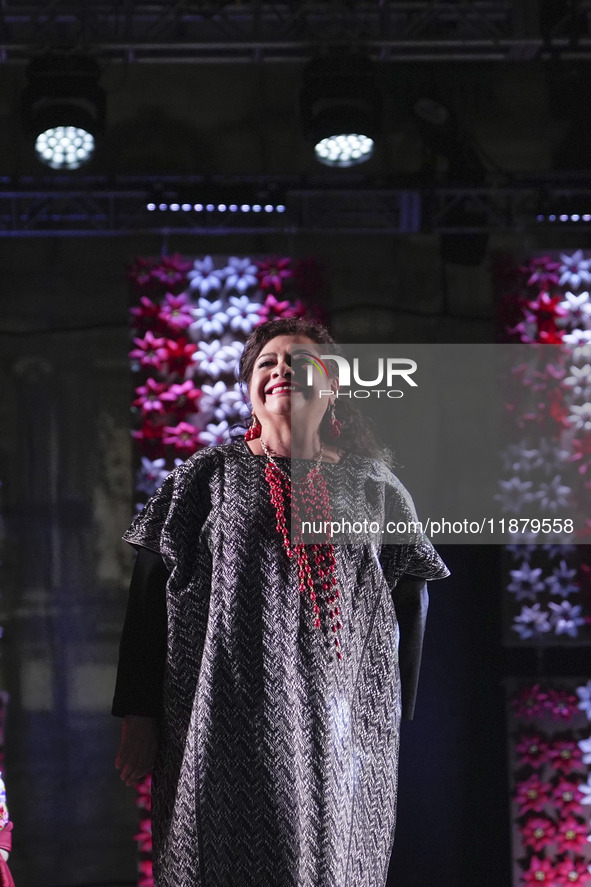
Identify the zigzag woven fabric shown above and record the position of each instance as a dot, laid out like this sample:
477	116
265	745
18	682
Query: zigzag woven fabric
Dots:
278	762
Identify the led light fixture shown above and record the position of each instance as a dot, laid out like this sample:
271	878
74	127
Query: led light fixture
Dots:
564	209
341	109
217	202
64	109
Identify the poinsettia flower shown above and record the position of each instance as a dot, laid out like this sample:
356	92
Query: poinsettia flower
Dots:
149	439
212	359
581	453
210	318
584	694
149	398
540	871
243	314
560	582
538	832
146	313
531	622
212	397
580	417
585	789
560	704
585	746
272	274
532	749
577	308
566	756
529	702
578	339
184	437
532	794
146	873
574	270
144	836
150	352
180	355
572	871
542	270
546	308
550	336
515	493
172	270
150	476
141	273
181	398
176	311
580	380
526	582
205	277
240	274
213	435
522	552
567	797
520	458
232	403
566	618
272	308
552	495
144	793
554	551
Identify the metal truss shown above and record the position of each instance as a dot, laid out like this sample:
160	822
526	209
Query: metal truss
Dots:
213	31
103	208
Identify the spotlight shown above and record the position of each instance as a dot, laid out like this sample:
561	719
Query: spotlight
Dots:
341	109
64	109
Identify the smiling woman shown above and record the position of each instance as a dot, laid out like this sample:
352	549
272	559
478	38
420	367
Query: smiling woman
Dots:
263	678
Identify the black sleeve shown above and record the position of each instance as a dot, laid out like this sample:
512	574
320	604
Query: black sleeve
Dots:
142	651
411	601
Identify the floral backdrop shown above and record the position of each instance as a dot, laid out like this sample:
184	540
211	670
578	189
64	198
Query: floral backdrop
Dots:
546	301
190	319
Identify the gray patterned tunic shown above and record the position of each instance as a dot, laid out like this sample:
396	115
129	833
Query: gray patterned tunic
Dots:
278	763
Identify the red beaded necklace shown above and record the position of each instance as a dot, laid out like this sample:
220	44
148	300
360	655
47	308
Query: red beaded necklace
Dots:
308	500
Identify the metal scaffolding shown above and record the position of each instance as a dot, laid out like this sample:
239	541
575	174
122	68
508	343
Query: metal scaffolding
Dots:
101	207
212	31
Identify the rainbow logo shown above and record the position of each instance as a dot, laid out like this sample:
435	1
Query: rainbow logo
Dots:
312	361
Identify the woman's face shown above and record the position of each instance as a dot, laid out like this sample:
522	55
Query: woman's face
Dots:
279	383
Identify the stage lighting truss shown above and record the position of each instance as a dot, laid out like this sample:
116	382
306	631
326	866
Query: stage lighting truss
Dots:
564	208
231	203
64	109
341	109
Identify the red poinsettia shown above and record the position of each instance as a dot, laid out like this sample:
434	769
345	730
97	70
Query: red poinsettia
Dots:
273	273
532	795
144	793
532	749
179	355
172	271
542	272
540	871
529	701
562	705
567	797
140	274
149	440
176	312
566	756
144	836
573	871
538	832
146	873
571	834
145	315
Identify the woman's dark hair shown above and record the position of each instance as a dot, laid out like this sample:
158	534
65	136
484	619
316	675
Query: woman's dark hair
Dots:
356	435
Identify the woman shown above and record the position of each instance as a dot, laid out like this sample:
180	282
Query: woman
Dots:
273	703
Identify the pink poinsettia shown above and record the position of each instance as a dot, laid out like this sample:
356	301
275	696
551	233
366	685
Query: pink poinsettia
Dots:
529	701
273	273
144	836
144	793
571	834
146	873
149	397
532	749
567	797
542	271
566	756
172	270
184	437
562	705
540	871
176	312
573	871
532	795
150	351
182	398
538	832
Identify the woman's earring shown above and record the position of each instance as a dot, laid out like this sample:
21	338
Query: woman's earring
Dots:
334	426
254	429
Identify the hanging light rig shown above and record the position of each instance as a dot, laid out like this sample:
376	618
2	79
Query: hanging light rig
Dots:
64	109
341	109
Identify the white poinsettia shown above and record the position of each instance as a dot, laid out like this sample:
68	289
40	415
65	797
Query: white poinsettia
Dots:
585	789
522	552
214	435
574	270
566	618
580	417
552	495
531	622
232	405
578	306
515	493
584	694
243	315
579	380
212	359
150	475
585	746
577	338
520	458
232	354
211	398
526	582
205	277
560	582
210	319
240	274
554	551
